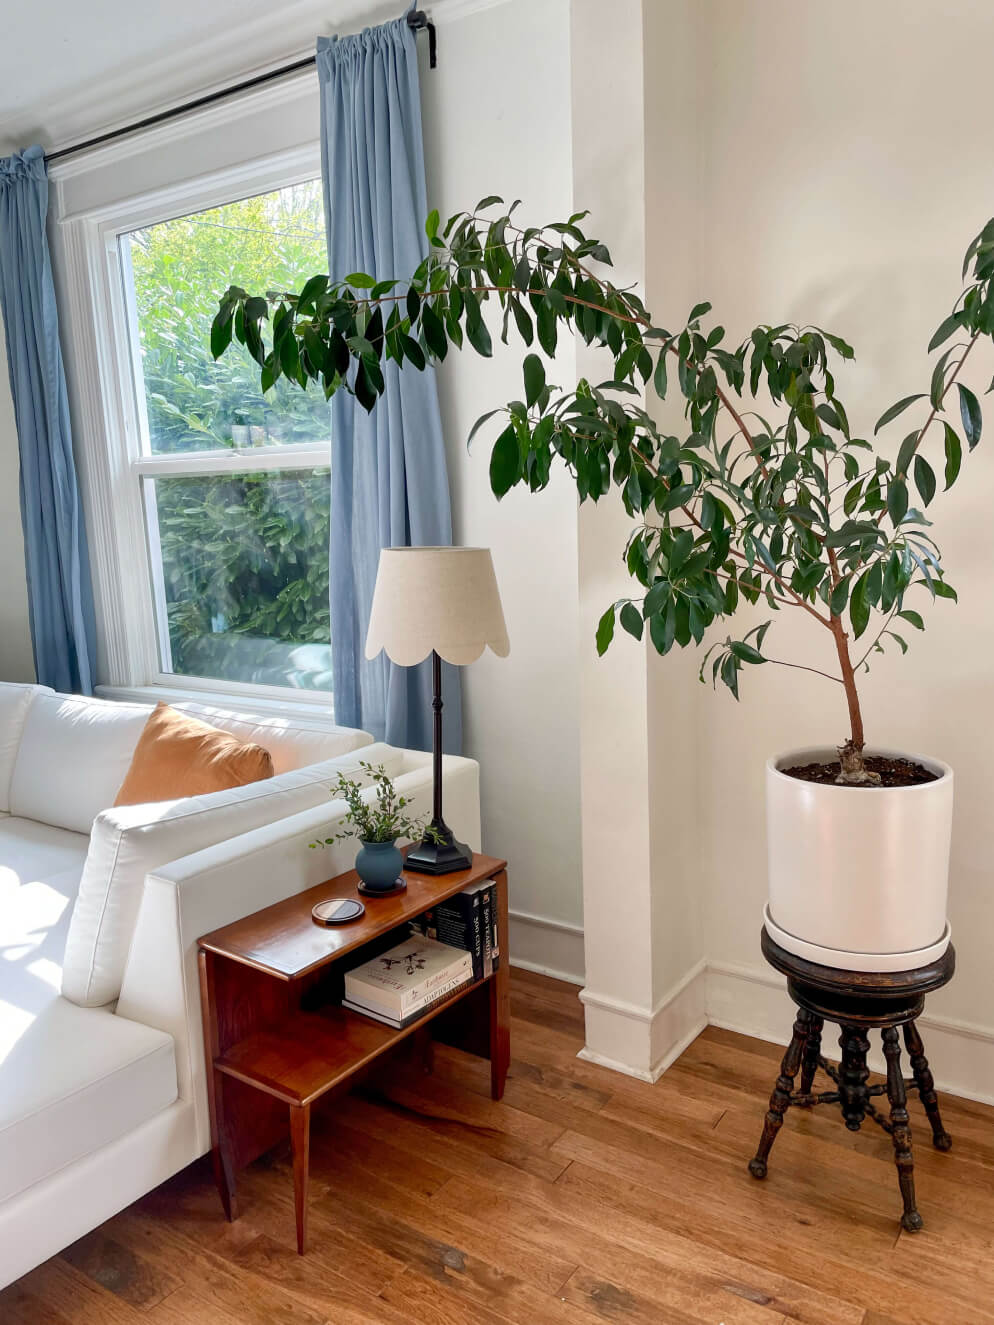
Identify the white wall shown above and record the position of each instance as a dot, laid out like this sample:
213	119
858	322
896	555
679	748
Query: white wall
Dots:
844	165
521	713
16	663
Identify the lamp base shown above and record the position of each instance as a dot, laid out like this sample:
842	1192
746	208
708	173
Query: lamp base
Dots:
443	857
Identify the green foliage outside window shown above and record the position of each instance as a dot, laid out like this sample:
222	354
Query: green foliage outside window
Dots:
247	553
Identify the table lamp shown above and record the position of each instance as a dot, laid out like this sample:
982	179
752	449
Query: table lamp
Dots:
443	601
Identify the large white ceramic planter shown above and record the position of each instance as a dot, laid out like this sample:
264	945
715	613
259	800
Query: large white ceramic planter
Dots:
858	877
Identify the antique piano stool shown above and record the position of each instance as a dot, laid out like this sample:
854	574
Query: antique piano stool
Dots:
858	1002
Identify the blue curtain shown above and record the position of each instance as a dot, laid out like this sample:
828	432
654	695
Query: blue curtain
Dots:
389	486
60	598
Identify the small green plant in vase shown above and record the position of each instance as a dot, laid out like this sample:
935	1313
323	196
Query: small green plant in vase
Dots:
378	823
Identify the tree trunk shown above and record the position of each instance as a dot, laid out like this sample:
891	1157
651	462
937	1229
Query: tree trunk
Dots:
853	770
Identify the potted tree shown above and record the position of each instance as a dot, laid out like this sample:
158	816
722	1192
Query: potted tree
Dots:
788	506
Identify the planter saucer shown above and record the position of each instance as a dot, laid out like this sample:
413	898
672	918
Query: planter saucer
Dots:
875	962
399	886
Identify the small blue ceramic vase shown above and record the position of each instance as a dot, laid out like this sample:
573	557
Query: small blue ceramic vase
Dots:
379	864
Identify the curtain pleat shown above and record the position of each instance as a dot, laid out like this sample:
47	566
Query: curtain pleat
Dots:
389	484
60	598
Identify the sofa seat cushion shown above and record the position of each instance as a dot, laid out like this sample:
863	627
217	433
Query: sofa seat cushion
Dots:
74	1080
73	756
40	869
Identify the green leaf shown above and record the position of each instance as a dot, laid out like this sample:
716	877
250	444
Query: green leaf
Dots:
859	610
945	330
943	590
434	331
698	310
605	631
534	373
746	653
913	618
505	462
491	200
924	479
897	409
479	336
969	408
631	620
659	376
839	597
220	334
907	451
431	225
954	456
360	281
484	418
897	500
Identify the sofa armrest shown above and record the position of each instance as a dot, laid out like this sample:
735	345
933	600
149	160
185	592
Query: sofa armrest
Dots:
223	883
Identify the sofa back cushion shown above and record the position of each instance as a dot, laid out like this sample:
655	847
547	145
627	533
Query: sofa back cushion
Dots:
72	757
292	741
179	755
15	700
129	841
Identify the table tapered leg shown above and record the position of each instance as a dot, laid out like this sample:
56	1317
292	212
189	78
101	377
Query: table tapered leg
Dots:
812	1052
901	1129
300	1140
925	1083
780	1099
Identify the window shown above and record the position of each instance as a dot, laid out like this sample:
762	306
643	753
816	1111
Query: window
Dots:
233	486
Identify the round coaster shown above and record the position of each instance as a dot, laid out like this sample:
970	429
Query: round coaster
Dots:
337	911
399	886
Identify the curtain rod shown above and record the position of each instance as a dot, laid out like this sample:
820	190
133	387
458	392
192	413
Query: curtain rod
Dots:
417	21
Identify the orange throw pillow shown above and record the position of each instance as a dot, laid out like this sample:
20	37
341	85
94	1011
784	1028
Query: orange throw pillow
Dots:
179	756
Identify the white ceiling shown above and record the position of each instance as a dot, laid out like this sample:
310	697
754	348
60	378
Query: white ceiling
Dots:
71	69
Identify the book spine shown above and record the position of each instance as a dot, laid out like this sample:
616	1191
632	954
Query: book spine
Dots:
460	925
487	908
495	935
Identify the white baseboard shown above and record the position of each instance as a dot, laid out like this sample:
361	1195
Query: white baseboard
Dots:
643	1042
754	1001
549	947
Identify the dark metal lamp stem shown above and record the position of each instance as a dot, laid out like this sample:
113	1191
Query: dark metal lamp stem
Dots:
448	855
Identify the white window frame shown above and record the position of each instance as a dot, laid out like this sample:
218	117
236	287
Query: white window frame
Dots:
112	459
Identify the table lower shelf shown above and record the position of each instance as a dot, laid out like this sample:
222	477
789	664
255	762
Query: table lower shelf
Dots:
307	1054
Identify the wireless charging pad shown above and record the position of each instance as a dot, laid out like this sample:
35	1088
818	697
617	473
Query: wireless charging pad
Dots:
337	911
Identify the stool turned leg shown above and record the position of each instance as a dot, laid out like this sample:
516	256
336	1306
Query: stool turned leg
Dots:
922	1074
853	1075
900	1129
812	1052
780	1099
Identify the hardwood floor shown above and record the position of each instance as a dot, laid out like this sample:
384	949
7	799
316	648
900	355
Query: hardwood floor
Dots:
584	1196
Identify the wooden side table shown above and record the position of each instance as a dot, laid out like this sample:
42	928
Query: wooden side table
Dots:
277	1039
857	1001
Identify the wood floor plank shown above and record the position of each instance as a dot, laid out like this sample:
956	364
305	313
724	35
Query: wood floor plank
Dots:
583	1197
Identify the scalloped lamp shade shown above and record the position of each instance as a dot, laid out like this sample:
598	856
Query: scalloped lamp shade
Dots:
436	598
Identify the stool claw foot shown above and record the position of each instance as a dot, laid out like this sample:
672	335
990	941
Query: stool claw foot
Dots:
912	1221
757	1167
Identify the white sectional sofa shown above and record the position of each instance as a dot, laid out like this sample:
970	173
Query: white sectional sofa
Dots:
102	1076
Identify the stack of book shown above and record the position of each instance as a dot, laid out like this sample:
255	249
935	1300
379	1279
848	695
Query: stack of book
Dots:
467	921
401	985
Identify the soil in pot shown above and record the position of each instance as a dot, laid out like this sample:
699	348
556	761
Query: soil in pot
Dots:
893	773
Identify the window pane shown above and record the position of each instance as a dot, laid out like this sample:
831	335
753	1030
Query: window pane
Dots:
243	589
175	273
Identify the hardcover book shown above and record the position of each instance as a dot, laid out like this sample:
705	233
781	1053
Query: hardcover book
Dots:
399	980
379	1013
457	922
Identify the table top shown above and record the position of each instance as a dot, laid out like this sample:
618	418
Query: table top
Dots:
284	940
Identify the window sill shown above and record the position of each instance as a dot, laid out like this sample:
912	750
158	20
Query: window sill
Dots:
314	704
